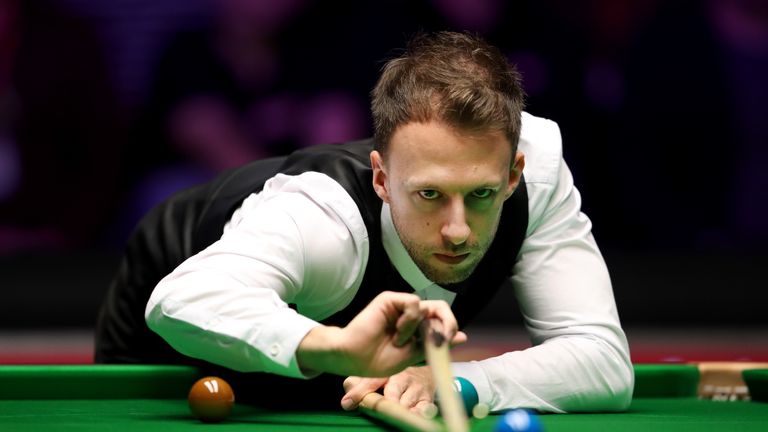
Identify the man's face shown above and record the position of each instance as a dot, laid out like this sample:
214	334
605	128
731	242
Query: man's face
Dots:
445	189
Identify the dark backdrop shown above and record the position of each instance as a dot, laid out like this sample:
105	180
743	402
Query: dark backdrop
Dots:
661	106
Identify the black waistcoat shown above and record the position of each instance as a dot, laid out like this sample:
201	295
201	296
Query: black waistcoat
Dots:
349	165
190	221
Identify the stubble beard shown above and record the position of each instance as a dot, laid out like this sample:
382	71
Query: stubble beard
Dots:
421	254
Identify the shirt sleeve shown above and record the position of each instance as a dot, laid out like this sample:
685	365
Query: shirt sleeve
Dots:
302	241
579	360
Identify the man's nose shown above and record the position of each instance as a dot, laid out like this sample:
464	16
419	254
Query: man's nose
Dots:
455	228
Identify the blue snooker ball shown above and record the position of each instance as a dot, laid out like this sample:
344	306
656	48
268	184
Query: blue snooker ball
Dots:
519	420
468	393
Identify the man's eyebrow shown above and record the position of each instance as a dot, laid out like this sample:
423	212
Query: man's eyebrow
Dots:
425	184
419	184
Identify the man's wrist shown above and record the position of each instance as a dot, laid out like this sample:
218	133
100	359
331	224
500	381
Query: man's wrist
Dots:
319	351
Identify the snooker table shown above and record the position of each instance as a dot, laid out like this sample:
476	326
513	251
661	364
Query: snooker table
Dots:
153	398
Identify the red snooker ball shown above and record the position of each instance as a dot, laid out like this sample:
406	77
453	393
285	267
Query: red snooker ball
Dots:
211	399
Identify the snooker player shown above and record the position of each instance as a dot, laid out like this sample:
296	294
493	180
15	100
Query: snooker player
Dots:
300	271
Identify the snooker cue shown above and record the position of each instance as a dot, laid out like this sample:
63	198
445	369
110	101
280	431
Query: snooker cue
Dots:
375	405
436	348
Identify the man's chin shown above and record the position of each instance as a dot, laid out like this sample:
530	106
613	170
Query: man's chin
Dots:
449	281
446	277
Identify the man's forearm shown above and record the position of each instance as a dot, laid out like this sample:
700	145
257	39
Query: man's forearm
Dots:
319	352
568	374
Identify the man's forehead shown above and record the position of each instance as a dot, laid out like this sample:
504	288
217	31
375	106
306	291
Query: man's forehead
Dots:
415	133
440	144
468	177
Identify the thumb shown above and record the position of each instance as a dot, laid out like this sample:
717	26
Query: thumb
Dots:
357	388
459	338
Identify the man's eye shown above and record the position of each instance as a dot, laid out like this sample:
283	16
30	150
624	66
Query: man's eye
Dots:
429	194
482	193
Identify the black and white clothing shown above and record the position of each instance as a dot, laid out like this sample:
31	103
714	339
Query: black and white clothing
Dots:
254	269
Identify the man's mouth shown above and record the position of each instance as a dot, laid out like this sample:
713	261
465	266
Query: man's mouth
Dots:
452	258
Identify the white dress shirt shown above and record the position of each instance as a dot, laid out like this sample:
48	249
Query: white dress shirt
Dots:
302	240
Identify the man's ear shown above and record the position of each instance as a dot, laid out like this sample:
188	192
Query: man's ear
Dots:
515	173
380	179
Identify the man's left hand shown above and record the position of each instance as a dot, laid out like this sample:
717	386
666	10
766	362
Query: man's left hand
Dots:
413	388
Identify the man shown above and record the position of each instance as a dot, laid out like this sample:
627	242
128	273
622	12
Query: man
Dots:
280	266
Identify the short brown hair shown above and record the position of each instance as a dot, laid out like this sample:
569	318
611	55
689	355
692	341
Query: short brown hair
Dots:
456	78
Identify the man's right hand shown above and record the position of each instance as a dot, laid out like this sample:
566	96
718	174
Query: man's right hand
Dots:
380	341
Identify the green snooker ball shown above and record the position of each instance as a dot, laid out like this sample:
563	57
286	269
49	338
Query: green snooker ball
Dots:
468	393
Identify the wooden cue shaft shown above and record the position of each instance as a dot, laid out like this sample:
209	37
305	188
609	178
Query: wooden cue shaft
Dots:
452	410
394	414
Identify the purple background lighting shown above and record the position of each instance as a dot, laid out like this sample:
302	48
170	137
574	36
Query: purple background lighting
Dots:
106	108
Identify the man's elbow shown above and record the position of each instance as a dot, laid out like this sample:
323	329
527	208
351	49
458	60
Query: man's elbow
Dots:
621	392
618	389
610	388
612	395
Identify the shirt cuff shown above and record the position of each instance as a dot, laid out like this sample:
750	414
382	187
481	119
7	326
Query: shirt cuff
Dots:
473	372
281	344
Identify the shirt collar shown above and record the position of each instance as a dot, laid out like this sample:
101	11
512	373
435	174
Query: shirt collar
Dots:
398	255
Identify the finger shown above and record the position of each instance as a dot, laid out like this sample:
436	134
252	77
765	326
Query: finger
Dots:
357	388
408	322
459	338
396	299
406	391
412	396
393	390
426	408
441	317
350	382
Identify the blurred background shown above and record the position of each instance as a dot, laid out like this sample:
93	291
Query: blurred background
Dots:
106	108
